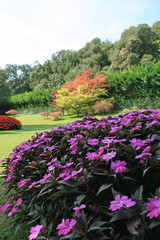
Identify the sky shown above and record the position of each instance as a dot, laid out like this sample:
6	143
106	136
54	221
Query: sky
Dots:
32	30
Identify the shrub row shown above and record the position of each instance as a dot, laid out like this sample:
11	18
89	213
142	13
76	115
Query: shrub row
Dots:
137	82
92	179
9	123
39	98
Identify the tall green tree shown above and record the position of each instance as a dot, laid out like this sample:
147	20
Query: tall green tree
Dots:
135	46
5	91
18	77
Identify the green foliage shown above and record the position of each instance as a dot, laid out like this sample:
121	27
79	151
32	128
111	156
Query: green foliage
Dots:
135	46
81	94
4	87
5	92
137	82
72	166
77	103
18	77
32	99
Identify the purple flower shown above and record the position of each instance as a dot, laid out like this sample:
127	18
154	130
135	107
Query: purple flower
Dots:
30	186
14	209
35	232
66	226
120	202
92	156
119	166
5	207
45	177
108	156
19	201
47	139
153	207
73	173
115	129
77	210
93	141
137	143
52	161
144	154
23	182
136	127
51	168
51	148
108	140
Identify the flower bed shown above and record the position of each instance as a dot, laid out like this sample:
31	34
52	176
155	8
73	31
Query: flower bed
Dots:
8	123
92	179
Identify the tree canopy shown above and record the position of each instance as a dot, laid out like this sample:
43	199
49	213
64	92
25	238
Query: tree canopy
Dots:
137	46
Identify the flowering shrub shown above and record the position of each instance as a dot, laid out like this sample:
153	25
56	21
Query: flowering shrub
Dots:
8	123
12	112
102	107
92	179
56	115
45	114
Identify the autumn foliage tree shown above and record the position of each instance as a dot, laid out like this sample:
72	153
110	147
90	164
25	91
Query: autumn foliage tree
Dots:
81	94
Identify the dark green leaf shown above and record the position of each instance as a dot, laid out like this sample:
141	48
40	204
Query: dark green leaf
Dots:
80	198
103	187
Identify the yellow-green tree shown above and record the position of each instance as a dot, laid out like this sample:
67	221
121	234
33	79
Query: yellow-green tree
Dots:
81	97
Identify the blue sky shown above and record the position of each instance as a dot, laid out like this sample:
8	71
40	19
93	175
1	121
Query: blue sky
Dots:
33	30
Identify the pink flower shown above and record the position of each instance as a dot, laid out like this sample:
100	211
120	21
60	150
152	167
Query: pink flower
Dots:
144	154
73	173
108	140
14	209
45	177
119	166
93	141
153	207
137	143
23	182
51	168
30	186
35	232
66	226
52	161
120	201
136	127
77	210
115	129
92	156
5	206
19	201
109	155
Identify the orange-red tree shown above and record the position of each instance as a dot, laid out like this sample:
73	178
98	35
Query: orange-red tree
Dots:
81	94
85	79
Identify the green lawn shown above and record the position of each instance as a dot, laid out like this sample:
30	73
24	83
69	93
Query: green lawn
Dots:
30	124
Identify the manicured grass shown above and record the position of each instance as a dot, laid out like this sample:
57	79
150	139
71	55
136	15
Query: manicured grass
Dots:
30	124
